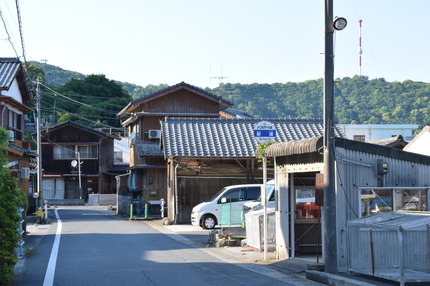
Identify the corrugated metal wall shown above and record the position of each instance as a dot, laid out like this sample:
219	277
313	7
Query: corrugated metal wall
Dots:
355	169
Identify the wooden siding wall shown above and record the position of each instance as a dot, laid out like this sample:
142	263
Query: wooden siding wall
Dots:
71	134
59	167
182	101
157	189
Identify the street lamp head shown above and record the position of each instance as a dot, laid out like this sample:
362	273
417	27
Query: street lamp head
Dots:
339	23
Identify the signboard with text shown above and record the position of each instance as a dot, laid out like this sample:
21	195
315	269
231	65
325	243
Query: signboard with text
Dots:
264	131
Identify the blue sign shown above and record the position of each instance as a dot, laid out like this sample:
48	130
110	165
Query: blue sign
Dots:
264	131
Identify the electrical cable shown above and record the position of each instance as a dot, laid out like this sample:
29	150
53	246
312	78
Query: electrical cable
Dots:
20	29
76	101
8	35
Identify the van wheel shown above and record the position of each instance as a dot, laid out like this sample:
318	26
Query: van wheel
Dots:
208	221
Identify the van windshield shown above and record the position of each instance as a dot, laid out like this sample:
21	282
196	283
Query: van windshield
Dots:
216	195
270	194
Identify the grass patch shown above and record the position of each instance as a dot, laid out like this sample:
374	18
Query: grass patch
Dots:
29	251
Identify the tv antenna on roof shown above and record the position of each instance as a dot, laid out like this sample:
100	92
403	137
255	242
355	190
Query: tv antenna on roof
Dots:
220	79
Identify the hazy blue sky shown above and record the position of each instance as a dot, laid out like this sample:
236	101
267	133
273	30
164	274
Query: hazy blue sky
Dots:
169	41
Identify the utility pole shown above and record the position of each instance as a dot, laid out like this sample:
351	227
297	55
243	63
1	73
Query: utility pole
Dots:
44	70
329	204
79	174
39	146
329	208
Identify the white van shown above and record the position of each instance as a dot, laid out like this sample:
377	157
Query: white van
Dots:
207	214
270	199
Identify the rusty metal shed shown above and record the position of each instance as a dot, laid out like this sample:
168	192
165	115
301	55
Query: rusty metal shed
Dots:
392	246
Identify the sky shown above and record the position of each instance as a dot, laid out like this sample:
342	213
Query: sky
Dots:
207	42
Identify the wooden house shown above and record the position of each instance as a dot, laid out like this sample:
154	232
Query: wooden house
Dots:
15	101
148	169
76	162
206	154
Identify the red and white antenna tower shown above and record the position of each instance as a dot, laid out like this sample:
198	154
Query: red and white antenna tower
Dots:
360	51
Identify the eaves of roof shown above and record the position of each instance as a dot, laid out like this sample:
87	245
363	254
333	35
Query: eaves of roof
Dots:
80	126
182	85
11	101
11	68
312	145
19	150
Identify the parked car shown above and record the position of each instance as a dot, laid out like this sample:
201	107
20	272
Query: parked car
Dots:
270	197
207	214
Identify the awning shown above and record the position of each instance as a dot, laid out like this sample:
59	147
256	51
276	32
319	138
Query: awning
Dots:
304	146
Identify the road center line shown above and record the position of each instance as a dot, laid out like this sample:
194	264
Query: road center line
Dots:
50	270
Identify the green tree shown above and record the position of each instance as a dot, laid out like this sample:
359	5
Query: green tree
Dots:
92	101
10	199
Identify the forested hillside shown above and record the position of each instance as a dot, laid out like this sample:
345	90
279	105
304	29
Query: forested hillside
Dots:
358	100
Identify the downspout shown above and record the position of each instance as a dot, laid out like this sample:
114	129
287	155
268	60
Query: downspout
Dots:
175	213
2	113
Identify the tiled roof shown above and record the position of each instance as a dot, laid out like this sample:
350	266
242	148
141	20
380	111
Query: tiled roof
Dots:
394	142
228	138
8	70
148	149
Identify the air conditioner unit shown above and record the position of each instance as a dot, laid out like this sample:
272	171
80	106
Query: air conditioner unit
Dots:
154	134
11	135
25	173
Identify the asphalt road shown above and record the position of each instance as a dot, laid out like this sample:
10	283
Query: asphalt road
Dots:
85	246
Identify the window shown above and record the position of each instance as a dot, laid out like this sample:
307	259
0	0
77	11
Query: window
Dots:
87	151
360	138
14	124
117	156
235	195
70	152
376	200
305	204
411	199
253	193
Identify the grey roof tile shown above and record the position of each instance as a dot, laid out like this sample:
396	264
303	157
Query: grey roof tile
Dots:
229	138
148	149
8	69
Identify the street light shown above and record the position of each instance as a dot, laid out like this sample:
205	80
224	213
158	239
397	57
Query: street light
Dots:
339	23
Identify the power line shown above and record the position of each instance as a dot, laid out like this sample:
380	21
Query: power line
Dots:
20	29
76	101
53	108
8	35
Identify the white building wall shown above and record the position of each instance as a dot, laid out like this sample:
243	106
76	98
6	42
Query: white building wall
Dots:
421	143
122	146
378	131
14	91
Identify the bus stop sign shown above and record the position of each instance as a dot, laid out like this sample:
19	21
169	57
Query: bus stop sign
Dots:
264	131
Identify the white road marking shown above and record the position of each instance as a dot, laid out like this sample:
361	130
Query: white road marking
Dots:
50	270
